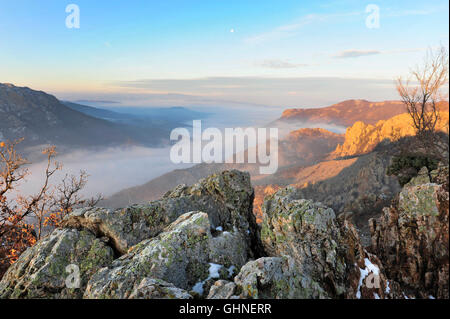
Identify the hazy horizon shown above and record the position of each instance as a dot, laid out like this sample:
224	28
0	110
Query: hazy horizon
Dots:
257	53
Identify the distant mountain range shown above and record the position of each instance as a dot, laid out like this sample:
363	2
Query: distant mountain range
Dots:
41	118
301	148
141	116
311	159
346	113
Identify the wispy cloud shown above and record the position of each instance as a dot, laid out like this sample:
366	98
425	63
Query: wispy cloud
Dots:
355	53
279	64
358	53
289	30
255	91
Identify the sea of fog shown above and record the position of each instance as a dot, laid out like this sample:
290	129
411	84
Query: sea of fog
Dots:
113	169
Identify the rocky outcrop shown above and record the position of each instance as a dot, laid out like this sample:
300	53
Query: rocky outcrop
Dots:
314	254
412	236
226	198
268	278
276	277
361	138
171	249
326	251
186	254
179	255
163	249
362	188
42	270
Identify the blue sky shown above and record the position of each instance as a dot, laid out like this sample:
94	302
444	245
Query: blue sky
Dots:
263	52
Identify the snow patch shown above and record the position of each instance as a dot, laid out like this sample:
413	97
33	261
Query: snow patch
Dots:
214	271
231	271
388	289
213	274
370	268
198	287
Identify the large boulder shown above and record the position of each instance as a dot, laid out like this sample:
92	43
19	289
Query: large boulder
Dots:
43	270
184	254
326	251
268	278
307	232
226	197
412	236
276	277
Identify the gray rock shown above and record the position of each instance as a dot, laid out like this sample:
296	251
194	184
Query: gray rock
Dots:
226	197
309	233
423	177
229	249
276	277
222	289
411	237
150	288
325	250
184	254
40	272
179	255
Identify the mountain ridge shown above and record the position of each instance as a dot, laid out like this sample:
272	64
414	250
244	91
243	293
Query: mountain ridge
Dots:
346	113
40	118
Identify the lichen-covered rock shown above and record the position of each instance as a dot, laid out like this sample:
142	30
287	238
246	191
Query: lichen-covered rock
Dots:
150	288
179	255
276	277
169	249
229	249
327	251
307	232
423	177
226	197
41	272
184	254
412	238
440	176
222	289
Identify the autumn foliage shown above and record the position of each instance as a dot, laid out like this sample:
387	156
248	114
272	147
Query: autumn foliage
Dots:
24	219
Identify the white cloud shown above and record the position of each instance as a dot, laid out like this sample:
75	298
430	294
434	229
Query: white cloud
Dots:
279	64
355	53
359	53
289	30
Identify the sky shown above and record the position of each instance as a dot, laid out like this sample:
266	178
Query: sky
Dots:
201	53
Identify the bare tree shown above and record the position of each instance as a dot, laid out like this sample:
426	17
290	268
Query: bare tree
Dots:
23	219
422	93
67	197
